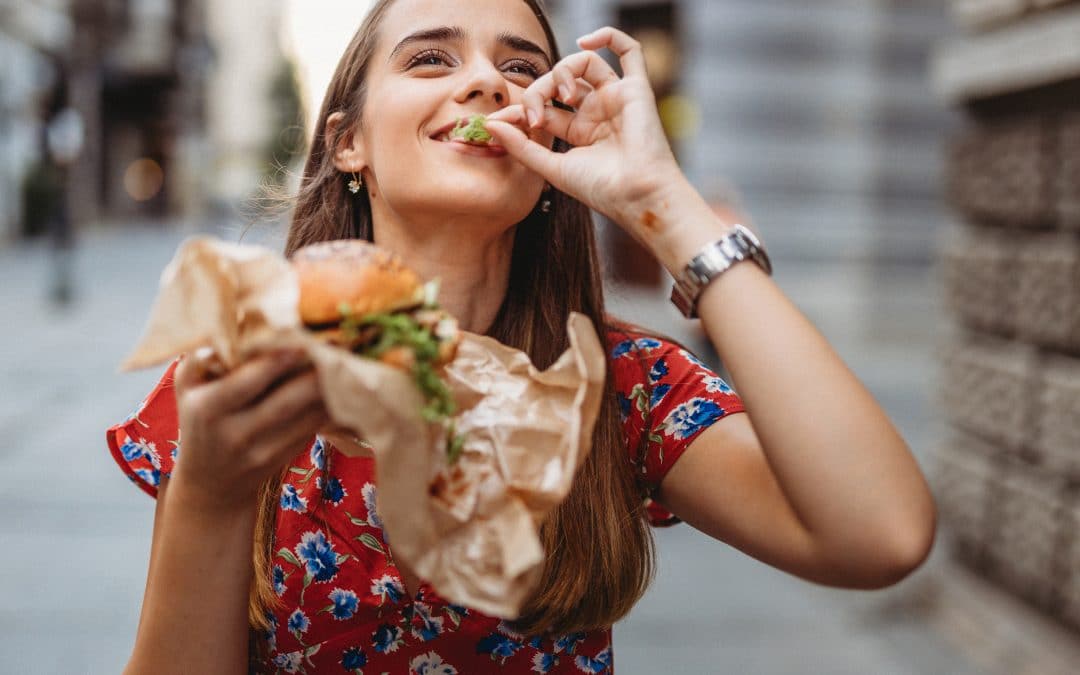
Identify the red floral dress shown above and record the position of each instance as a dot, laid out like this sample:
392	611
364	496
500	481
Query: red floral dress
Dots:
344	608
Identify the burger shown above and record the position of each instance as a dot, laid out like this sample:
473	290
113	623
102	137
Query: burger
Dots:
363	298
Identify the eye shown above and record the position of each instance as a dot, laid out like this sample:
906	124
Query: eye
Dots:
524	67
430	57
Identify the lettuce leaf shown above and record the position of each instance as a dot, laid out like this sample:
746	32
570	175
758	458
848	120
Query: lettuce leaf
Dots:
474	131
402	329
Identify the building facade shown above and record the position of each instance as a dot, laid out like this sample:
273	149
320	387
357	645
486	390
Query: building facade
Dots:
171	102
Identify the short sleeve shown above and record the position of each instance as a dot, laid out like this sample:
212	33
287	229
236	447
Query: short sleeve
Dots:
667	397
146	443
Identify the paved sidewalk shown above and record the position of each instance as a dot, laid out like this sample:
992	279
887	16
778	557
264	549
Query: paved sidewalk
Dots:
77	532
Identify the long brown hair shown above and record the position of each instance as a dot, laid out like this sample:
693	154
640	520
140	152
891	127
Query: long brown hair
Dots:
600	556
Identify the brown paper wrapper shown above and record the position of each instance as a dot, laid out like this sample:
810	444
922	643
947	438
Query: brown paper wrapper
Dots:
468	529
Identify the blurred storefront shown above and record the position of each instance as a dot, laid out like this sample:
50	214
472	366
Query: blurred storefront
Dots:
170	102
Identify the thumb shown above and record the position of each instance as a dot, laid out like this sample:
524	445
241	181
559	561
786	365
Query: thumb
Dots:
197	367
540	159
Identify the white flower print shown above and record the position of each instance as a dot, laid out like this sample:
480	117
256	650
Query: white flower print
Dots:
387	588
290	662
685	420
715	385
430	664
692	359
368	492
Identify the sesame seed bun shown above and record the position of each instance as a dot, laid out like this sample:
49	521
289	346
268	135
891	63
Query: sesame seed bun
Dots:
354	272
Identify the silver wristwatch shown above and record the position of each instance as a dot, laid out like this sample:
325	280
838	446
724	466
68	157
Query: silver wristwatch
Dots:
740	244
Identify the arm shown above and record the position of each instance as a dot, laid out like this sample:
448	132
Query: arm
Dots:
194	616
237	431
828	492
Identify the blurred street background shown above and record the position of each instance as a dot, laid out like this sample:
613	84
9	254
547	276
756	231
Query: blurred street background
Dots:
887	152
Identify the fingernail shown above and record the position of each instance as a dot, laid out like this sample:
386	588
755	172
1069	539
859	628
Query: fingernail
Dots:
532	116
564	92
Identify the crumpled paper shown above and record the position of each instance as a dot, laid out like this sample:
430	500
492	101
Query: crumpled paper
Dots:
468	529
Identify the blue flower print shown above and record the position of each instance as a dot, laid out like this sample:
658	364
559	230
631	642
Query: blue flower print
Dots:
715	385
658	371
543	662
334	492
598	664
386	639
353	658
658	393
693	359
290	662
318	454
344	603
569	643
387	588
298	622
149	476
271	633
317	555
499	646
137	449
627	346
291	499
424	626
430	664
279	580
625	405
690	417
368	492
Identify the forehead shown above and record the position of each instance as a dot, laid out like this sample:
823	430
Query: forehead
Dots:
480	18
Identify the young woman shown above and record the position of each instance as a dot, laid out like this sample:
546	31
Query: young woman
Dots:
828	492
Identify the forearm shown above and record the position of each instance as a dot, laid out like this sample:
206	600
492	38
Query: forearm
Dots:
194	613
845	469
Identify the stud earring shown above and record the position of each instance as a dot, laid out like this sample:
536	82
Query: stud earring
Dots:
545	204
355	184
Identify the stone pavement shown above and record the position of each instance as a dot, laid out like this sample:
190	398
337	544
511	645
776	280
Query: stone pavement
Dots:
77	532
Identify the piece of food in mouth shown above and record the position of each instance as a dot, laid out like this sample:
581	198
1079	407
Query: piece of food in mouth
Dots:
473	131
363	298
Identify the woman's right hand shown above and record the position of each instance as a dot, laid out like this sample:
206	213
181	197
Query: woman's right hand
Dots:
239	429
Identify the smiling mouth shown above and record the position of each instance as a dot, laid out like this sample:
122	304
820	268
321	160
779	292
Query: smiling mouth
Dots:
442	135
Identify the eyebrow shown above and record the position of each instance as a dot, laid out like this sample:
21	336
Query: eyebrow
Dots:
456	33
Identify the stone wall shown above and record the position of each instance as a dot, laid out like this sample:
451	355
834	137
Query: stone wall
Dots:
1008	476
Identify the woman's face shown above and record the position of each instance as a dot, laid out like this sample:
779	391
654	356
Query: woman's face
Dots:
436	62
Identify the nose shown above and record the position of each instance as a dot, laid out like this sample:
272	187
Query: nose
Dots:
483	80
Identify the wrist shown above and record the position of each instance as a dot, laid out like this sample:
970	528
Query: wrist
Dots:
675	222
202	504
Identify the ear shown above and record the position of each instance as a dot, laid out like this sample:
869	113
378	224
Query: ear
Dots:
349	154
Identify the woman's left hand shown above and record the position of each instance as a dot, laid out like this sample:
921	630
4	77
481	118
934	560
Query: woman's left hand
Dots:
621	159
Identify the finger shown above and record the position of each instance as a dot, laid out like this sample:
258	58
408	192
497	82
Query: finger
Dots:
294	435
555	121
586	65
631	56
527	151
282	402
565	84
582	90
250	380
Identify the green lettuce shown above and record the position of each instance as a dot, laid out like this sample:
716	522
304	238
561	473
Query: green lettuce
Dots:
474	131
402	329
